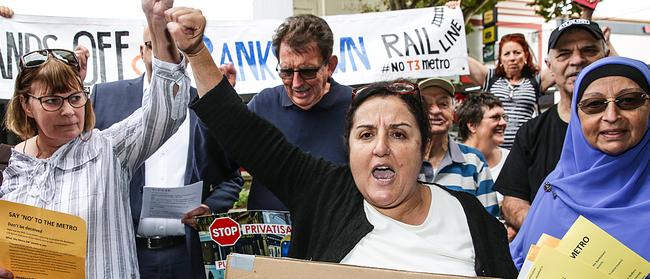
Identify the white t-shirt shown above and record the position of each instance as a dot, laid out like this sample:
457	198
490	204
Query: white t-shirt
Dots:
494	171
441	244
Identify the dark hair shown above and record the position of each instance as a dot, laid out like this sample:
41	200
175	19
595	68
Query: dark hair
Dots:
470	111
529	69
300	30
379	89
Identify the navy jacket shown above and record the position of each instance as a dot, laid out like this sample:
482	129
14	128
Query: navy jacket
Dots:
117	100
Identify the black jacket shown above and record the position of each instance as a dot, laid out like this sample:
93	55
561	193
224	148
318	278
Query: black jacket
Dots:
326	207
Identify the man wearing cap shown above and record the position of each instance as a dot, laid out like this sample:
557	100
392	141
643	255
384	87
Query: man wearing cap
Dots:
572	46
450	164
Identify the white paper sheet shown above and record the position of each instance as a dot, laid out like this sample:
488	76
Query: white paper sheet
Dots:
170	202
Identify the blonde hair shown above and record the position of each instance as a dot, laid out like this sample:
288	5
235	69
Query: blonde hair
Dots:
56	76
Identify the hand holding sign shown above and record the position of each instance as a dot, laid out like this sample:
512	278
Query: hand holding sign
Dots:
5	273
186	25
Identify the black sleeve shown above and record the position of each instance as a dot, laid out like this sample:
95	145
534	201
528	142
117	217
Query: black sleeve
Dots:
489	237
513	178
221	177
261	148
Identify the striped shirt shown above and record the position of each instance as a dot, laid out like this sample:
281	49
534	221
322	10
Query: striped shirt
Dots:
519	101
91	178
464	169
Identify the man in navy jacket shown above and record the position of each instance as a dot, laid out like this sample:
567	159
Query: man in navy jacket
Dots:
166	248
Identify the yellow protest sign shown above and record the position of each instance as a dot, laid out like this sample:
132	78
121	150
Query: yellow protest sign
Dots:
40	243
590	244
550	263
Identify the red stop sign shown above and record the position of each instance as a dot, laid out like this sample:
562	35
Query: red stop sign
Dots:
225	231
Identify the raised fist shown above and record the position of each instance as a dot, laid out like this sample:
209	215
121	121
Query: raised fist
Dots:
186	26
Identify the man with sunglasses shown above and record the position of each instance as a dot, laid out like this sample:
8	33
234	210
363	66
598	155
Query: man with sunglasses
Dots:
572	46
309	107
448	163
166	248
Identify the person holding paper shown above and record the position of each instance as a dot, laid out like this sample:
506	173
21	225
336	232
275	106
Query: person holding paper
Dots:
604	168
166	248
373	212
65	165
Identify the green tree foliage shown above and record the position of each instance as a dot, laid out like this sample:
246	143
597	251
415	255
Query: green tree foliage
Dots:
549	9
469	7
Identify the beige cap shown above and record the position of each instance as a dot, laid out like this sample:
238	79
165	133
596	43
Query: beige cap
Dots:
437	82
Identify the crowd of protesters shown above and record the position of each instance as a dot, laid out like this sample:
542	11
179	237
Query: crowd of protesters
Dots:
379	157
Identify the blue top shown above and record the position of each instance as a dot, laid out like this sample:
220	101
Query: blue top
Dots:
611	191
464	169
319	130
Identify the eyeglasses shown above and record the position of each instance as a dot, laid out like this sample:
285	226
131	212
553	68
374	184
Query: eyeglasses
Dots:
54	103
498	117
37	58
305	73
627	101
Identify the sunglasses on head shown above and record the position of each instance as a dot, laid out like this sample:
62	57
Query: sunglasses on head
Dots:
398	87
37	58
628	101
306	73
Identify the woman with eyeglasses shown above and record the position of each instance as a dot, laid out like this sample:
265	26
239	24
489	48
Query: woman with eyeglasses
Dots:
482	122
604	170
65	165
372	212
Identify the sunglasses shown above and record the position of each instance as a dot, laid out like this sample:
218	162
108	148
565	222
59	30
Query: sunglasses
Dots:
627	101
54	103
37	58
306	73
398	87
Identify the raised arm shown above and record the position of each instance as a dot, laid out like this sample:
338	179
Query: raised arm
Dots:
477	71
186	26
6	12
163	45
547	79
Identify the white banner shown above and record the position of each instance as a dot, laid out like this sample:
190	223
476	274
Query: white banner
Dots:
371	47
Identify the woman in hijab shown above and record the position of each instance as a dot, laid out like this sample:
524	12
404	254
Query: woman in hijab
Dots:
604	170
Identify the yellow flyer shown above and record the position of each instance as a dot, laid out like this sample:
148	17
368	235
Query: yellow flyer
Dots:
40	243
550	263
590	244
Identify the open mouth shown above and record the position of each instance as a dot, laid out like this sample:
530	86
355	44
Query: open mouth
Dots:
383	173
437	121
